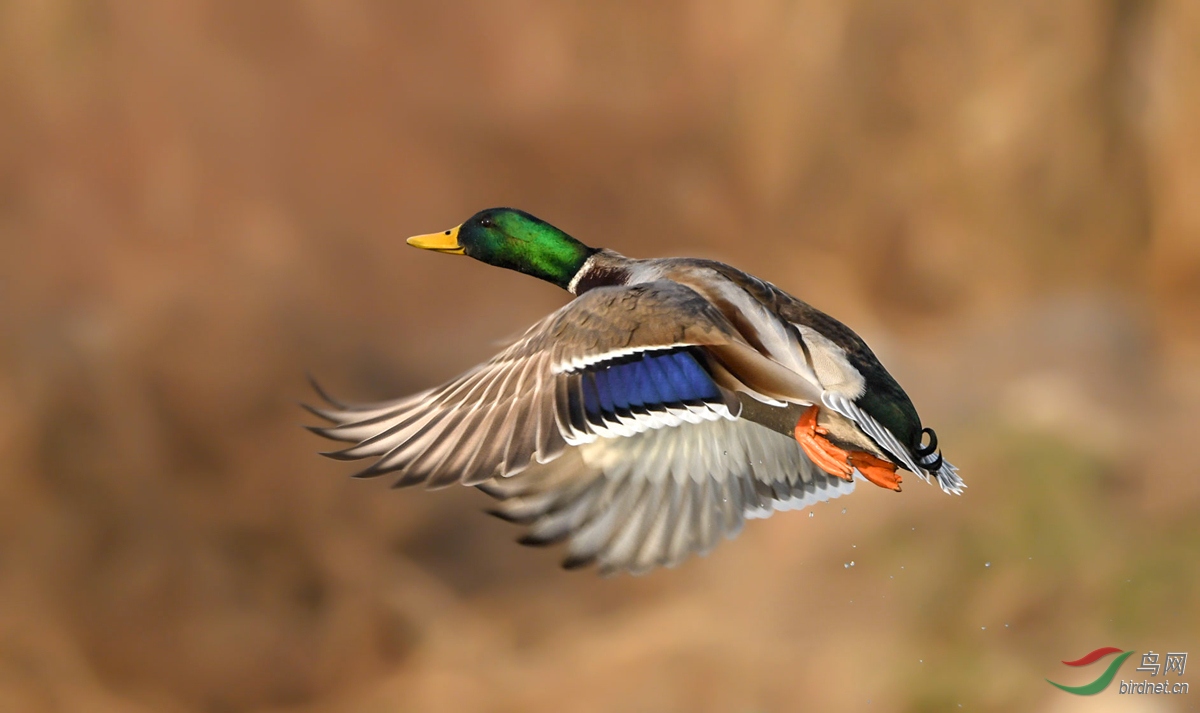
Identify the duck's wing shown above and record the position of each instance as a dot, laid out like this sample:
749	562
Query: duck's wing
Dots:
615	362
655	498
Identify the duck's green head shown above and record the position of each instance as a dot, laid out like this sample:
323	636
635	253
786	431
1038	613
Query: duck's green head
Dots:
514	239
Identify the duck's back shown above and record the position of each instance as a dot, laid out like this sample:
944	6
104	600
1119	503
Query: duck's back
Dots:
821	345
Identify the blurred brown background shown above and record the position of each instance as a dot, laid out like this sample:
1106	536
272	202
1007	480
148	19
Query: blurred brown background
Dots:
200	200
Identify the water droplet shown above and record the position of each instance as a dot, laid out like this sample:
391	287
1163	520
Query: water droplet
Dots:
987	564
851	563
846	565
901	566
920	660
891	576
1006	626
983	628
811	514
854	546
843	511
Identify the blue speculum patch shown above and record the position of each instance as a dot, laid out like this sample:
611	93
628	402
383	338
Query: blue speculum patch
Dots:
647	381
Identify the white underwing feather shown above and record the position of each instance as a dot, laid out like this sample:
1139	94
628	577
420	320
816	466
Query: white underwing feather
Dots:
668	493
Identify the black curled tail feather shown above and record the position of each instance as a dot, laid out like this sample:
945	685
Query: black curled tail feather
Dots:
927	455
922	451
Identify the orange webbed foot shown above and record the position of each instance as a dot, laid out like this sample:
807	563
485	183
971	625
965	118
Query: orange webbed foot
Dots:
876	470
838	461
821	451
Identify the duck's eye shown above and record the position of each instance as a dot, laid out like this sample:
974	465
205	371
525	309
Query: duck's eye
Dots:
486	222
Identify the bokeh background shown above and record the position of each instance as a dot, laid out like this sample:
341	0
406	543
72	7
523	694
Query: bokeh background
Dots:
201	200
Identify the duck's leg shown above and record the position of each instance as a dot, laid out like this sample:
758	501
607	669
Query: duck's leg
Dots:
820	450
838	461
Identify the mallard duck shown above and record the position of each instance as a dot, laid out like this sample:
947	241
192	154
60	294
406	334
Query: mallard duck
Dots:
668	402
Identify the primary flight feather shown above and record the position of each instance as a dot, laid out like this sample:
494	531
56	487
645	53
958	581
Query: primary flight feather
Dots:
668	402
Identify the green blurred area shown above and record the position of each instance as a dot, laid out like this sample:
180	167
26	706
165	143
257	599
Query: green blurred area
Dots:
202	200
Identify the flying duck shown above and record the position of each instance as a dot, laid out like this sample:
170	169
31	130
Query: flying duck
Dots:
669	401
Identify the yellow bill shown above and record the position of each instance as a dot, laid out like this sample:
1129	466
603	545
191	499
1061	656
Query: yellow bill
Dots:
444	242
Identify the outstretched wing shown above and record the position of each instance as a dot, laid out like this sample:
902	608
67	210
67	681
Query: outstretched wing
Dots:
615	424
653	499
615	362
